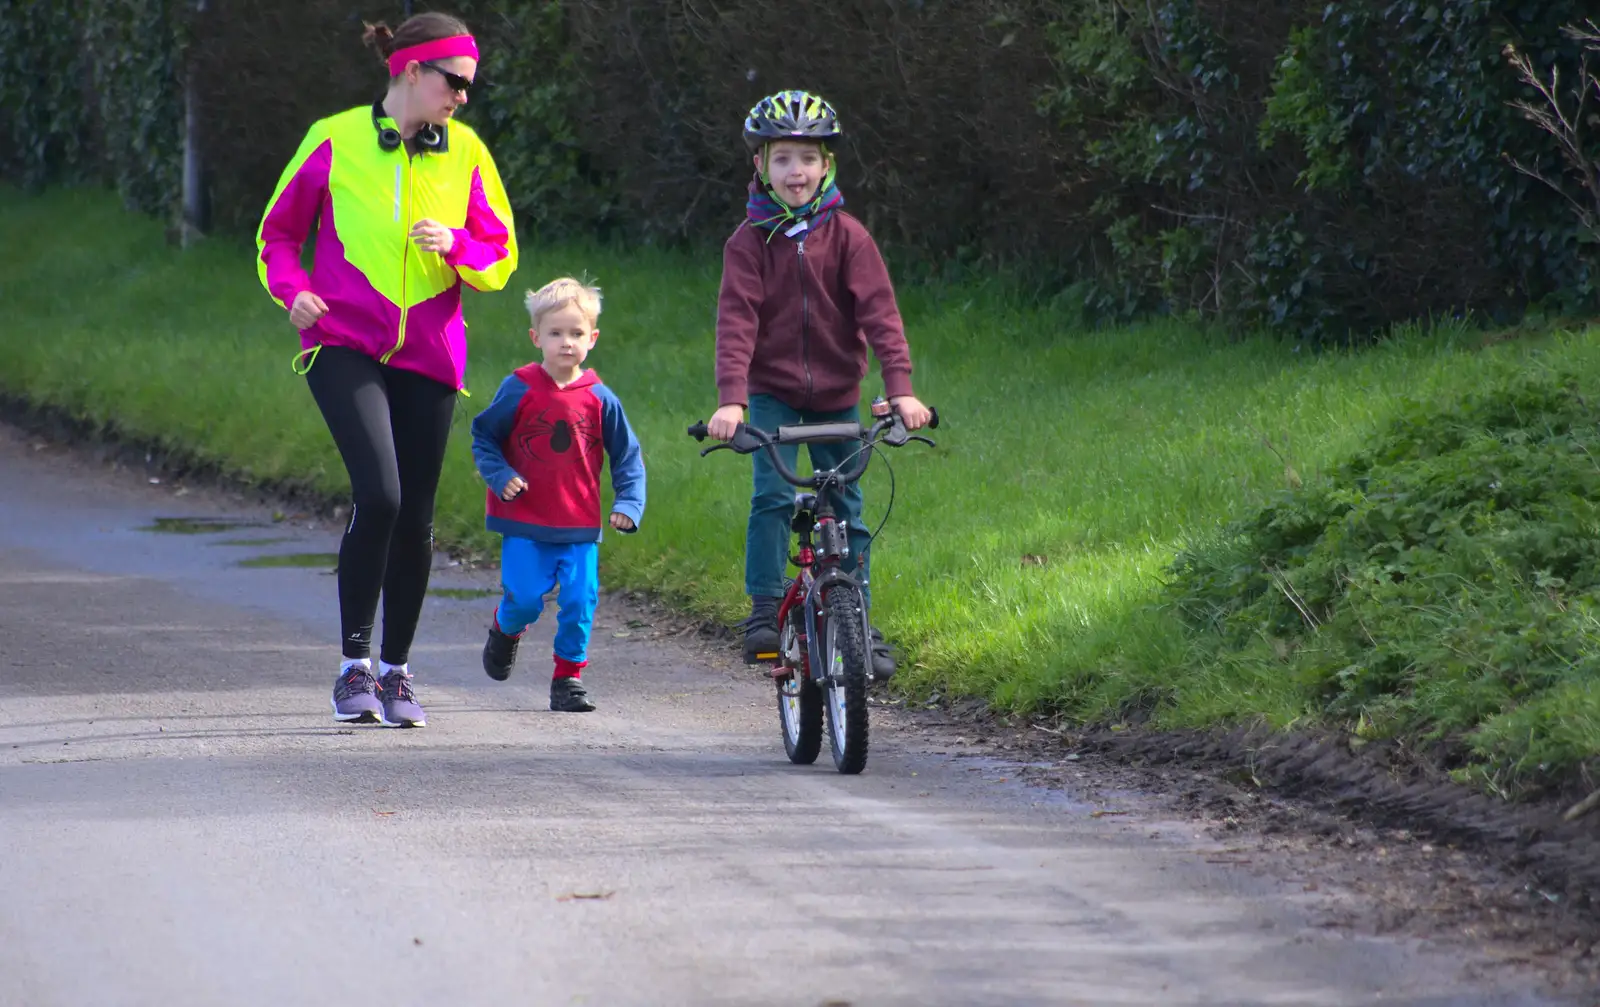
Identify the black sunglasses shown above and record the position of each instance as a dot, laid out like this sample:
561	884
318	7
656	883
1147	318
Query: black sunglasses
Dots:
455	80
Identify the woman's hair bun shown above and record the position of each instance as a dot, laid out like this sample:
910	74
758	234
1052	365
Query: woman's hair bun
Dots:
379	38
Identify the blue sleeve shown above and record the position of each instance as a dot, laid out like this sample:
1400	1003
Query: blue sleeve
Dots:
627	460
490	429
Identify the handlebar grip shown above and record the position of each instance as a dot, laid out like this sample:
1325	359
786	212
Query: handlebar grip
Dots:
698	431
806	433
933	418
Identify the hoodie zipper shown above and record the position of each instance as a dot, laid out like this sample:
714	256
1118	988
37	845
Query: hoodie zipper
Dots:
405	248
805	319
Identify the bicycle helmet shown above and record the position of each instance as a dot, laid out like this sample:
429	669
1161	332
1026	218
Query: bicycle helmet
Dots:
790	115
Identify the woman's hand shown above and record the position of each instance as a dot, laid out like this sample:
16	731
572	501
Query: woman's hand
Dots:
621	522
306	309
914	414
513	486
432	236
725	421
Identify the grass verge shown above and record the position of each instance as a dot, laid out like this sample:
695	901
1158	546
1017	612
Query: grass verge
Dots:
1027	556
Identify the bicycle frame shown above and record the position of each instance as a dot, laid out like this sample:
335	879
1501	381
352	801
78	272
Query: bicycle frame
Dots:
807	591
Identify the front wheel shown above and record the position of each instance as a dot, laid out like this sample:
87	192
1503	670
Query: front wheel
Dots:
799	699
845	658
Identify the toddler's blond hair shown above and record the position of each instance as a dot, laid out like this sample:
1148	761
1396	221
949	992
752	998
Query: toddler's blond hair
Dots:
557	294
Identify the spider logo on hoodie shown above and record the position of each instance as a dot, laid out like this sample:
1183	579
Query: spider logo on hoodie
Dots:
545	440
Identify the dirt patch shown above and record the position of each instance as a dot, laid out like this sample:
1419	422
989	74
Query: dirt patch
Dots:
1429	859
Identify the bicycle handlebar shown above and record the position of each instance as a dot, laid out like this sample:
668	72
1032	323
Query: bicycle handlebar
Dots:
747	440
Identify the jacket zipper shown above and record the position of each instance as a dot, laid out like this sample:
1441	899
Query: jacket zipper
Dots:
405	247
805	319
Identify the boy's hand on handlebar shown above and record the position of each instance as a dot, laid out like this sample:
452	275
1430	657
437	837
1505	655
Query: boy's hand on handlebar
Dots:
621	522
513	487
912	412
725	421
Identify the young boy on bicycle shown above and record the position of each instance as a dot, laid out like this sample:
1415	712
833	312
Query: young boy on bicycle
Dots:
804	293
539	447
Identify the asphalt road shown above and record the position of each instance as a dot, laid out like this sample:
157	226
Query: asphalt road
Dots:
182	822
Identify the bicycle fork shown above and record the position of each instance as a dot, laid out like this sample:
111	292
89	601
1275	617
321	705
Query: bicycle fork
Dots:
836	579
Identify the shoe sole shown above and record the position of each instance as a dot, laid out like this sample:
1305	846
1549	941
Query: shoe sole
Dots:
364	717
402	723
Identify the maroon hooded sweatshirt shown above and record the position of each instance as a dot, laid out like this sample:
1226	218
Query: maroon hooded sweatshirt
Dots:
796	314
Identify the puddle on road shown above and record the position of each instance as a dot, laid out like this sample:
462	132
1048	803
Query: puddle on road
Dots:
329	560
464	593
197	525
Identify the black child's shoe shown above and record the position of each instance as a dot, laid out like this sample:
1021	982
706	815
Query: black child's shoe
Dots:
499	654
567	695
883	664
761	630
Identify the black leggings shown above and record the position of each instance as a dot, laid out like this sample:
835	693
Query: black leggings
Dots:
391	427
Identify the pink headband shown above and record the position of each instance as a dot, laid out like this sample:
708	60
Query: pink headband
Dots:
440	48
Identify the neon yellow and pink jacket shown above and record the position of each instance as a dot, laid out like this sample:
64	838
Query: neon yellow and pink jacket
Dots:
386	297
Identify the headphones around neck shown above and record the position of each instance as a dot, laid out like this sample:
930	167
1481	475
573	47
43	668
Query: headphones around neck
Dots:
429	139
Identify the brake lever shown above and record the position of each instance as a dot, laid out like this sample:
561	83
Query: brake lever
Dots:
716	447
744	442
897	434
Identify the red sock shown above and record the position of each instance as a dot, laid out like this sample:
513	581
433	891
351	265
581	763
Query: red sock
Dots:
569	669
494	617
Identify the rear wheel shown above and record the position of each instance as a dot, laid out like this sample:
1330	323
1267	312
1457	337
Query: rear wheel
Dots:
845	658
799	699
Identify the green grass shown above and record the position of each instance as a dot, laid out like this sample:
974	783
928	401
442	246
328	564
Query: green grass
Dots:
1439	589
194	526
1024	556
325	560
463	593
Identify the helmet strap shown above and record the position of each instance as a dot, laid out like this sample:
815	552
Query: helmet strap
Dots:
829	175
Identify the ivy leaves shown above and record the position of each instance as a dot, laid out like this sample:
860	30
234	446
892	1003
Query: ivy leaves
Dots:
1316	168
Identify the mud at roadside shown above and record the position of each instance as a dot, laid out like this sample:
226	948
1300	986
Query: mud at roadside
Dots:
1428	860
1431	861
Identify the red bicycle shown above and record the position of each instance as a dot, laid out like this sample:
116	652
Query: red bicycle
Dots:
824	641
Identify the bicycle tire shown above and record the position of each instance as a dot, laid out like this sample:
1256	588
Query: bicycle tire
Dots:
799	702
845	653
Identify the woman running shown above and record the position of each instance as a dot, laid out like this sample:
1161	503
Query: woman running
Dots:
406	205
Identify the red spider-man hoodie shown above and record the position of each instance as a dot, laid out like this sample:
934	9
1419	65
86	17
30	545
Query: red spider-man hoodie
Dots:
555	439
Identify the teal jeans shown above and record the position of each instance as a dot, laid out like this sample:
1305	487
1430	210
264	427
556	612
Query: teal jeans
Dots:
768	537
